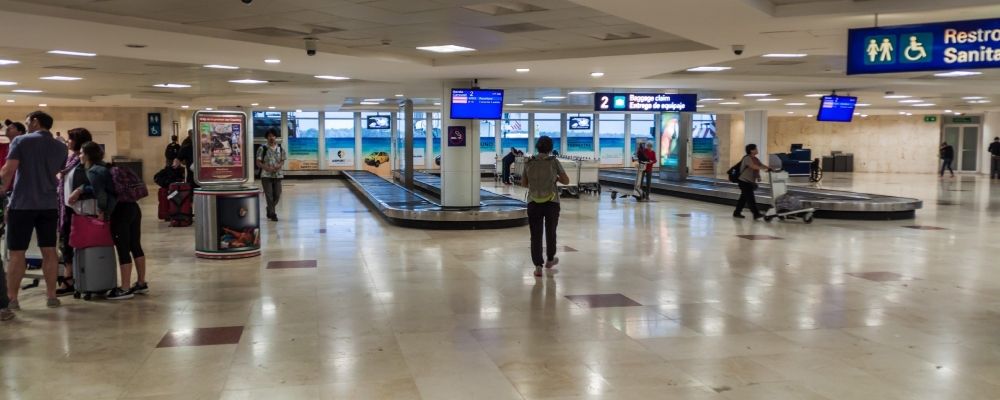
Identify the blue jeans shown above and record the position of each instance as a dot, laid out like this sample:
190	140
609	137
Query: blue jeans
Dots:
946	164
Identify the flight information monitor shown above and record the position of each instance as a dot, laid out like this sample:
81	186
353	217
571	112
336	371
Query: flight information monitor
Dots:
476	103
836	109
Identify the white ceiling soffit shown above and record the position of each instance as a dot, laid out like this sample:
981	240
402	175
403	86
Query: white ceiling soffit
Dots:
499	31
794	8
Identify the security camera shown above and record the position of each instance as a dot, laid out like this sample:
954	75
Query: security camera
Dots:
310	46
247	2
738	49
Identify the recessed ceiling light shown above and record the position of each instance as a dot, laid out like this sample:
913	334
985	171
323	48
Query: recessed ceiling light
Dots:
980	101
909	114
219	66
729	103
531	101
369	103
9	62
272	61
956	74
862	105
298	111
791	112
374	100
897	96
711	99
185	106
709	69
10	100
248	81
60	78
578	92
902	113
857	114
448	48
400	95
757	95
523	70
554	97
815	95
271	107
784	55
26	91
795	104
254	104
437	104
7	83
768	99
810	115
911	101
209	109
72	53
947	111
957	113
864	115
973	98
513	105
332	77
596	74
43	105
172	85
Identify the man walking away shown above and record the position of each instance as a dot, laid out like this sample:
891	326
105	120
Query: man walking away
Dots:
541	173
271	159
995	158
173	150
947	157
35	159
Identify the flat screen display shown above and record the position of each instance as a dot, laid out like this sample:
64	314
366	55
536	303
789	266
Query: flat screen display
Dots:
379	122
476	103
579	123
836	109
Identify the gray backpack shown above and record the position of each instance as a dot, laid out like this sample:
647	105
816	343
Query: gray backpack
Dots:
541	174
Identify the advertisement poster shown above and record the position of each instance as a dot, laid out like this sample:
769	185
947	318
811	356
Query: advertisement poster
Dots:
487	150
612	150
375	150
669	138
238	221
303	143
340	152
580	146
703	144
221	136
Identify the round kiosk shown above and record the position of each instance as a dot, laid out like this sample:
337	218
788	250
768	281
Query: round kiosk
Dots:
227	212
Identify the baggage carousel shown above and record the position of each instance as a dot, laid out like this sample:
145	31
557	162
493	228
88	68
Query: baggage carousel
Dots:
832	204
407	208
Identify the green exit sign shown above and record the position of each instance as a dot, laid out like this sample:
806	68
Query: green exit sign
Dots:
930	118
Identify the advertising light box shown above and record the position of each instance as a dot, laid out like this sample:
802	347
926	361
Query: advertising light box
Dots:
645	102
926	47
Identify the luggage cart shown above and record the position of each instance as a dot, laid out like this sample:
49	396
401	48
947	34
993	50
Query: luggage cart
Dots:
572	168
589	179
784	205
517	169
637	189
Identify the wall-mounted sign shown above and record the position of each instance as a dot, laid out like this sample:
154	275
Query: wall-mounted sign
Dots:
220	137
649	102
927	47
155	127
456	136
930	118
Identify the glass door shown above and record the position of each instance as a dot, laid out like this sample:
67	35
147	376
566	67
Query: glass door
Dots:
969	150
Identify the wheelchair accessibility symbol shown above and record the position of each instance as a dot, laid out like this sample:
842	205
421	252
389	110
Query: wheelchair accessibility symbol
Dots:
916	47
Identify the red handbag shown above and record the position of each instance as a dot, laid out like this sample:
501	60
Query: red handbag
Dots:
86	232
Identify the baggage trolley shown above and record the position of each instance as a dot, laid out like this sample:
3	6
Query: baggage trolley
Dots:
589	179
784	205
637	189
572	168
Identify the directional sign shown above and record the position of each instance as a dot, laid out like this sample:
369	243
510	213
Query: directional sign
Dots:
928	47
649	102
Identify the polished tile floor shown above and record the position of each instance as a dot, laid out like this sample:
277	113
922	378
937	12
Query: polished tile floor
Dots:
658	300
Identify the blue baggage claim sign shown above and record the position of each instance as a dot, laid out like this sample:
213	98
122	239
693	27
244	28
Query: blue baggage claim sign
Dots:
929	47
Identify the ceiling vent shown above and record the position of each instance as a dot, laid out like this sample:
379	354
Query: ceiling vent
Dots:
518	28
70	67
781	63
619	36
505	8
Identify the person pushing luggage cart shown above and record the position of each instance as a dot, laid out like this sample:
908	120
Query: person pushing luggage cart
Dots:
643	177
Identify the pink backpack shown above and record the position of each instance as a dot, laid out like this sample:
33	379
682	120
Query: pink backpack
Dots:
128	186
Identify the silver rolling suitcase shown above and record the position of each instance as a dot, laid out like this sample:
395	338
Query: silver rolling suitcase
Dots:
95	271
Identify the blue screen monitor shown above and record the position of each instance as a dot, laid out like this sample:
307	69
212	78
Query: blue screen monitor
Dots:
836	109
379	122
476	103
579	123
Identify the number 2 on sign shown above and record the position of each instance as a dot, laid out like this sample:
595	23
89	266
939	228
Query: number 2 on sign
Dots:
604	102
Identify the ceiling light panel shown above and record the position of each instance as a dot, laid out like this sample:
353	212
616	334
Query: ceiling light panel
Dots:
708	69
448	48
72	53
220	66
60	78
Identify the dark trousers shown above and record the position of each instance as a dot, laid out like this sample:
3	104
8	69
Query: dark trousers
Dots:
747	199
946	163
506	172
126	229
647	183
272	193
995	167
543	216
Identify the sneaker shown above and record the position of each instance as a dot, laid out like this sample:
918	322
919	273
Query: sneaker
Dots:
66	290
6	314
551	263
14	306
538	271
140	288
740	216
119	294
52	303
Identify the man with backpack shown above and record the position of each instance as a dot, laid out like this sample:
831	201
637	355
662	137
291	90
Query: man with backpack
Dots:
173	150
270	159
746	174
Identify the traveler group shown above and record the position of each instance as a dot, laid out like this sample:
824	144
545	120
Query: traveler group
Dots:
65	194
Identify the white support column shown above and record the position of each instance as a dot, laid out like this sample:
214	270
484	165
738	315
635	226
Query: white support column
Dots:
596	130
563	132
460	183
358	157
991	129
323	162
284	135
627	157
755	131
532	134
429	140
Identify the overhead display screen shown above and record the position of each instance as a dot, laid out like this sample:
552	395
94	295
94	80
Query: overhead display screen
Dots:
476	103
379	122
836	109
648	102
579	123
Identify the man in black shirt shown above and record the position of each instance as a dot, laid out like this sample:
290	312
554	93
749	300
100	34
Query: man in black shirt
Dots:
947	157
507	161
995	158
173	150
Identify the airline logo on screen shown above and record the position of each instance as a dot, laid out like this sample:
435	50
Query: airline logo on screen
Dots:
650	102
927	47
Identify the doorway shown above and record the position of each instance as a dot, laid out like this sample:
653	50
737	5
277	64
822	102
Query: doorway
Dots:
965	139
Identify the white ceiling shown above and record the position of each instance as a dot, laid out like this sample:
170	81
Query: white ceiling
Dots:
182	35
